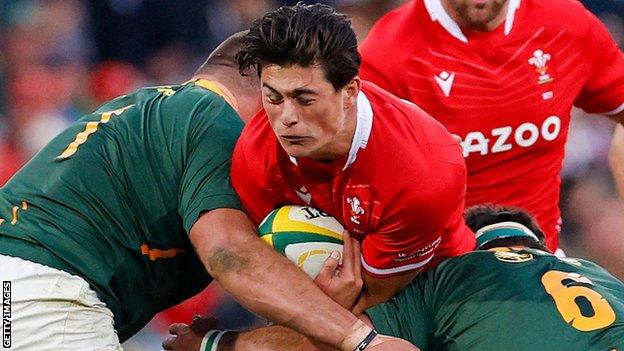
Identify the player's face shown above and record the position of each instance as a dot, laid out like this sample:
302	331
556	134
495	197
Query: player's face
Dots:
476	13
309	117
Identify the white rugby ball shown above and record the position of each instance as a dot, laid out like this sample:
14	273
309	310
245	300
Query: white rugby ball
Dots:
305	235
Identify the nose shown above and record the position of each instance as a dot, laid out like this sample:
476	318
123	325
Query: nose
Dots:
289	116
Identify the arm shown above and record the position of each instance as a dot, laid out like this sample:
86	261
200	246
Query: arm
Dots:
616	154
377	290
263	281
274	338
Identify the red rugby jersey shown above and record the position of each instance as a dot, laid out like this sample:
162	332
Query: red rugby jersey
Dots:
507	93
400	191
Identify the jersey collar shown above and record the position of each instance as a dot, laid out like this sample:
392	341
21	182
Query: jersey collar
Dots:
363	128
437	13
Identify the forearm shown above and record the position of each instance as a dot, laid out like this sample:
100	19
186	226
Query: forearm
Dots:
265	282
616	158
377	291
273	338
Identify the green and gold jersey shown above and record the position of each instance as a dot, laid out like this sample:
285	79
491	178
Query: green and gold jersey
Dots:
112	198
512	300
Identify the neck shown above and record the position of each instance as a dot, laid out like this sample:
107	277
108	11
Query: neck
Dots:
463	20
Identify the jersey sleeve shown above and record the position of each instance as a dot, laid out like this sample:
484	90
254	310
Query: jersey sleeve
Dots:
604	90
405	316
205	184
248	179
407	242
420	219
380	60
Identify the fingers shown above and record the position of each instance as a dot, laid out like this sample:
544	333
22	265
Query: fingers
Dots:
347	252
329	268
169	343
357	259
202	325
175	328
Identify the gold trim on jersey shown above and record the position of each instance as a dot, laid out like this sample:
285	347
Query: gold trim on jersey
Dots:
218	89
155	254
89	129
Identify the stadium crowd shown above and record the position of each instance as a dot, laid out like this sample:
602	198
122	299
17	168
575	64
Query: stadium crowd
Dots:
59	59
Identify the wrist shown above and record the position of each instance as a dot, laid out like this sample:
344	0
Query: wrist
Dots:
359	337
211	340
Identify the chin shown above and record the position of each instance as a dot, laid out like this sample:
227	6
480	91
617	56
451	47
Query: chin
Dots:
296	151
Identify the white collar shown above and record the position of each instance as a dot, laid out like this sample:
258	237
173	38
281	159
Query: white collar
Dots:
363	128
437	13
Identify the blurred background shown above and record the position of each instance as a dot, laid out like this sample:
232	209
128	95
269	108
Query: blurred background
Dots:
60	59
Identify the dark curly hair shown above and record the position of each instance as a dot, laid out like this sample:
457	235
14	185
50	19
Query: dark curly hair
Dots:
480	216
303	35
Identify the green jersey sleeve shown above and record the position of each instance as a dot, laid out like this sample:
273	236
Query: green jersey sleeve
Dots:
404	316
205	184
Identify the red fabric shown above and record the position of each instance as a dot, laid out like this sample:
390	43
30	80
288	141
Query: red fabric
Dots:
112	79
202	304
513	117
409	181
10	162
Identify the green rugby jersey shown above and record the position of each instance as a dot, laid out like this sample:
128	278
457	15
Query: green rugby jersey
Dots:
112	198
508	300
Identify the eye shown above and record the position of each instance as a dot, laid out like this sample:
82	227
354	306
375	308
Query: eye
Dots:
305	102
274	99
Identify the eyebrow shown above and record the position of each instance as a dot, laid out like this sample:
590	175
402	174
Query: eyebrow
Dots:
294	93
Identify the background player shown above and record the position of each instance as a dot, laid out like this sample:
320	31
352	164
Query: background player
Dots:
111	221
392	175
503	76
520	297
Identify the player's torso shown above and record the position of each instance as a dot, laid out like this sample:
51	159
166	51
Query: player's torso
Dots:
111	192
525	300
403	163
508	97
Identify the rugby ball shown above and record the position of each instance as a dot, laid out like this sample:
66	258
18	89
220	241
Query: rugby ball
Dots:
305	235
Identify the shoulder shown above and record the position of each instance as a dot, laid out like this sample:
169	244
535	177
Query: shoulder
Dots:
429	175
257	136
395	26
570	15
391	41
424	138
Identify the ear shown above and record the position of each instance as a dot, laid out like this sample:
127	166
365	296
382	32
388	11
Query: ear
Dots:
351	92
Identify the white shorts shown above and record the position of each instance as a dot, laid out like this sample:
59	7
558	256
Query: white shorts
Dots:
52	310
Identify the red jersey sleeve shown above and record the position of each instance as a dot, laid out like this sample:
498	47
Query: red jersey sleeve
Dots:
399	250
604	90
418	221
248	180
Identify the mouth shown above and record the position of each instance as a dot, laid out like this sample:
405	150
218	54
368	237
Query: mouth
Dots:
293	139
480	4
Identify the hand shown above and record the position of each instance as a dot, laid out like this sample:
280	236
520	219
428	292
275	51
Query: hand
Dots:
343	283
189	337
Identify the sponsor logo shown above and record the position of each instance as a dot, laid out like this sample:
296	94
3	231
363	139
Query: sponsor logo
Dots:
424	252
513	257
504	138
6	314
540	60
304	195
311	213
445	82
356	209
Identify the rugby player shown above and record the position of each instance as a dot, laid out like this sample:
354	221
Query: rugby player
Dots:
130	211
391	174
510	293
502	75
